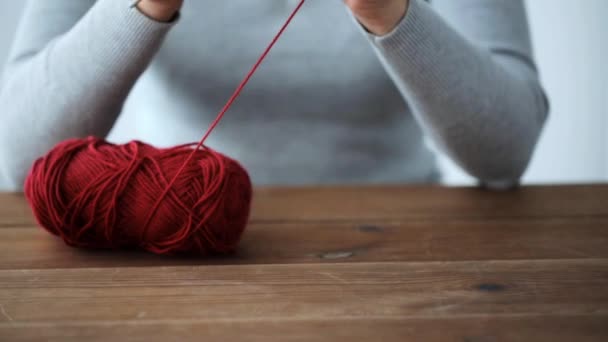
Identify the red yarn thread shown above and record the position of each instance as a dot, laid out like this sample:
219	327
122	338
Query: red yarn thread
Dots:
96	194
233	98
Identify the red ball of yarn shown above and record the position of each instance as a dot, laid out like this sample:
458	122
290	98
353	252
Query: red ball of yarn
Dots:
100	195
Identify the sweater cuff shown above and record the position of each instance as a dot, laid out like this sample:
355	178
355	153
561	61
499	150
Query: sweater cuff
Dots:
409	46
173	19
409	31
125	16
123	34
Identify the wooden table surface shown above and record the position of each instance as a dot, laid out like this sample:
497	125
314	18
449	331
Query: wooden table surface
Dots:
332	263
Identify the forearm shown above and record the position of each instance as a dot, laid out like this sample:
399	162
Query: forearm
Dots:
73	86
485	109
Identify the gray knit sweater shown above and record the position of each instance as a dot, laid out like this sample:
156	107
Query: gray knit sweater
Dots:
331	104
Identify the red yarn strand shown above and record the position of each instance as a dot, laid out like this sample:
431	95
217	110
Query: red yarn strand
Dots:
227	106
95	194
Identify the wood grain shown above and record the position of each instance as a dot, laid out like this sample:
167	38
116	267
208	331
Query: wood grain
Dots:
290	243
278	204
427	203
14	211
305	291
554	328
330	264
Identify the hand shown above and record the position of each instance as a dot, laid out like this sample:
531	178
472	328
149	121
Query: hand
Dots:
160	10
378	16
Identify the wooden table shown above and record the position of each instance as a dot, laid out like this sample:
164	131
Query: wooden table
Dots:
333	264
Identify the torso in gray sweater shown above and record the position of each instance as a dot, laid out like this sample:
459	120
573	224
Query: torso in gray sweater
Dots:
331	104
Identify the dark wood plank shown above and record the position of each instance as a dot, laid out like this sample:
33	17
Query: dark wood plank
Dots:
15	211
427	203
580	328
317	292
333	263
289	243
280	204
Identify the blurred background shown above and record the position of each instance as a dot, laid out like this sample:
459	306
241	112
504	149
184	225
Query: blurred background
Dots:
571	47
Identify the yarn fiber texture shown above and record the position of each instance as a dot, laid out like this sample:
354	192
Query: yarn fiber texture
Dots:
96	194
167	201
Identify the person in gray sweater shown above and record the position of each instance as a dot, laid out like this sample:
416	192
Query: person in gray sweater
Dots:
347	95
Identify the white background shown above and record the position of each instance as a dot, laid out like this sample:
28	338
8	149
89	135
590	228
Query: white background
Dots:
571	44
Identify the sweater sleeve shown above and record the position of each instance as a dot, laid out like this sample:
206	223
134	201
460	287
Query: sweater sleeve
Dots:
70	70
466	69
